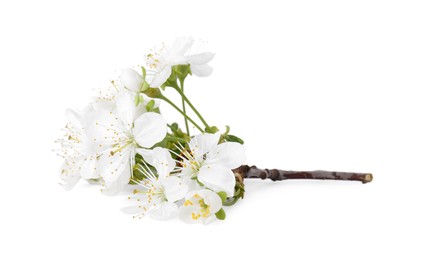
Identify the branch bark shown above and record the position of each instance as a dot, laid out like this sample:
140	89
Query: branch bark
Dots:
251	172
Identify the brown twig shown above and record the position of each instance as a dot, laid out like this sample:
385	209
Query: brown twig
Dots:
248	172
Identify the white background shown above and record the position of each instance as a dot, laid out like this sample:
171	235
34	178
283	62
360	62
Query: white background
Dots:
309	85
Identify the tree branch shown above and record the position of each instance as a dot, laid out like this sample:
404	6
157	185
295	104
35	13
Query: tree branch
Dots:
252	172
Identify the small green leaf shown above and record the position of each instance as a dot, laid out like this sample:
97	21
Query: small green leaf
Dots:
150	105
233	138
221	214
228	128
223	195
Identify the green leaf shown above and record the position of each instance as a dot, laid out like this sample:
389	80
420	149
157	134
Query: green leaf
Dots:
228	128
221	214
233	138
150	105
223	195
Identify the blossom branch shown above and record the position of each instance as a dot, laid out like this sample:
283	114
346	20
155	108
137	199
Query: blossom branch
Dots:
251	172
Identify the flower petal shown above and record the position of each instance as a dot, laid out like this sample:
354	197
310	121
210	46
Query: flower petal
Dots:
211	199
180	46
149	129
218	178
186	213
165	211
74	118
118	185
126	109
104	131
231	155
200	59
69	174
210	219
174	188
203	143
88	168
132	210
201	70
160	158
160	77
131	80
111	166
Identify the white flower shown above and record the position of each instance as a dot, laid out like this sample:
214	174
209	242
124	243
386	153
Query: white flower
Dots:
211	163
162	60
200	206
131	80
79	161
116	134
156	194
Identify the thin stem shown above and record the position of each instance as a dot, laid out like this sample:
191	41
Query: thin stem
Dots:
183	106
248	172
181	112
192	107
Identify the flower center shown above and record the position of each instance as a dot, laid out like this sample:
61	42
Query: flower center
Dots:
153	58
204	209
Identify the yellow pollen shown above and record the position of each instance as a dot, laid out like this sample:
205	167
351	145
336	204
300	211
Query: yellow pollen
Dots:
188	203
195	216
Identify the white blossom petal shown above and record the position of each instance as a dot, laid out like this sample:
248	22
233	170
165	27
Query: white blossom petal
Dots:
200	206
181	45
126	109
111	189
88	168
132	210
203	143
131	80
161	76
185	214
165	211
230	154
217	178
149	129
210	219
200	58
69	174
159	158
211	199
174	188
111	166
203	70
105	131
74	118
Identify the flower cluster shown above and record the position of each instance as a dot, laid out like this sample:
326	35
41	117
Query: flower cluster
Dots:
121	140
